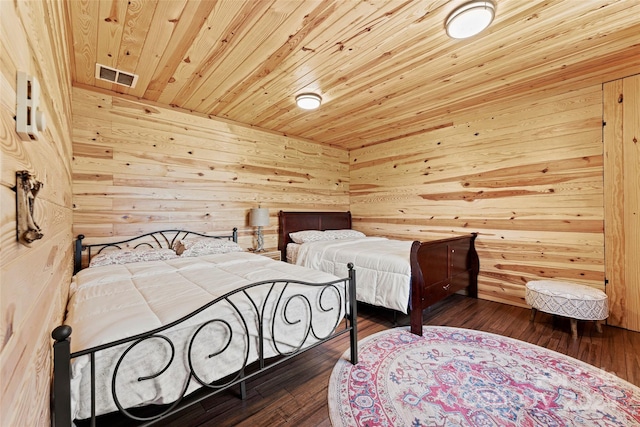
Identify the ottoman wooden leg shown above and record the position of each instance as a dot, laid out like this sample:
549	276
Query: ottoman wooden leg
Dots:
533	314
574	328
599	324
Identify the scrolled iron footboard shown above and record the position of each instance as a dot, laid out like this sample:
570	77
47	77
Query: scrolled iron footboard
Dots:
259	317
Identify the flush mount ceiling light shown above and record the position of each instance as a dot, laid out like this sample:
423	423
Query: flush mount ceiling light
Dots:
470	19
308	101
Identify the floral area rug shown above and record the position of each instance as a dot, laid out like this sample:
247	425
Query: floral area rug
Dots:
460	377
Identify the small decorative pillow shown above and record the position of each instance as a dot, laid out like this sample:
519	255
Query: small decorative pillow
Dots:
206	246
309	236
129	256
346	234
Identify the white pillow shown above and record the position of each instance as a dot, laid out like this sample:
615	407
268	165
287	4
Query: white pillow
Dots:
305	236
110	257
346	234
206	246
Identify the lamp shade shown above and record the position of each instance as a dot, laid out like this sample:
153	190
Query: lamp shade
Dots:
259	217
470	19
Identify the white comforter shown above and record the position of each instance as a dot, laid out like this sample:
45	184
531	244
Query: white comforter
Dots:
382	267
117	301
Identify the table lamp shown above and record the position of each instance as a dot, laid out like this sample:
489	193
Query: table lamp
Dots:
259	217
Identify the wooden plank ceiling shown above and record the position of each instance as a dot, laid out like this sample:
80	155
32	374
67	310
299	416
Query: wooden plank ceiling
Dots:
384	68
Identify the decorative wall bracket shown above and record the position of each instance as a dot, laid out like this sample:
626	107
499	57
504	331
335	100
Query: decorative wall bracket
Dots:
27	188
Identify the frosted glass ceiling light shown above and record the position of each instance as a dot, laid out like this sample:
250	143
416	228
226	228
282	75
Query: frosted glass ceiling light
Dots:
470	19
308	101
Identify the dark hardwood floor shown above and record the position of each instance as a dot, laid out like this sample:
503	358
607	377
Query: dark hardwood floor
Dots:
295	393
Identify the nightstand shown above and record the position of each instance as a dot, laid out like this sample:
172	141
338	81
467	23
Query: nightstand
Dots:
271	254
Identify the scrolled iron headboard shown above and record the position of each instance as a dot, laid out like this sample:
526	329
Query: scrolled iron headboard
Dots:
163	239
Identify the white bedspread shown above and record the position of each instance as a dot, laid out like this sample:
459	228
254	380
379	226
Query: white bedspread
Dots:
112	302
383	271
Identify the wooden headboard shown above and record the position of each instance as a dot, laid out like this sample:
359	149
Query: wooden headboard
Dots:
290	222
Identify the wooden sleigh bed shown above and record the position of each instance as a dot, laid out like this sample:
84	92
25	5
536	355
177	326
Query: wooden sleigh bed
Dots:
152	361
438	268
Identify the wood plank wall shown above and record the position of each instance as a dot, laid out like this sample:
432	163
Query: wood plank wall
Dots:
140	167
34	280
526	174
621	99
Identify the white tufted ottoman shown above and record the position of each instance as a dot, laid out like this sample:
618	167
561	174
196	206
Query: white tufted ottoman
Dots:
577	302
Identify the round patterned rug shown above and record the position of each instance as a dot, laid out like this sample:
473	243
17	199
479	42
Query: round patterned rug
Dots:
460	377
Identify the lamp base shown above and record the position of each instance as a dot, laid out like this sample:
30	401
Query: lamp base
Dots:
260	247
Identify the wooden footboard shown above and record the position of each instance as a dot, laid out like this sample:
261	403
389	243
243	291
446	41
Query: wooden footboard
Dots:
440	268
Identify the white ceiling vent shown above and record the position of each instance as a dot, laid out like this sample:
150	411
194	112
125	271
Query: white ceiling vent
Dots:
116	76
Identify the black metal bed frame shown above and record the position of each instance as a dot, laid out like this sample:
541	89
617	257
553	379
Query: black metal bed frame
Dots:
163	239
344	305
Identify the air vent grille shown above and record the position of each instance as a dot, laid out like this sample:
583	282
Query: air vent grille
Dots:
115	76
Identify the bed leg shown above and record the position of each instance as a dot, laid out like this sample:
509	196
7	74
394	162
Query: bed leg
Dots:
474	266
243	390
243	386
416	321
61	389
416	300
353	315
354	345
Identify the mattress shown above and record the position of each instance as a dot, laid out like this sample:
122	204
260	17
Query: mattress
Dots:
382	266
116	301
